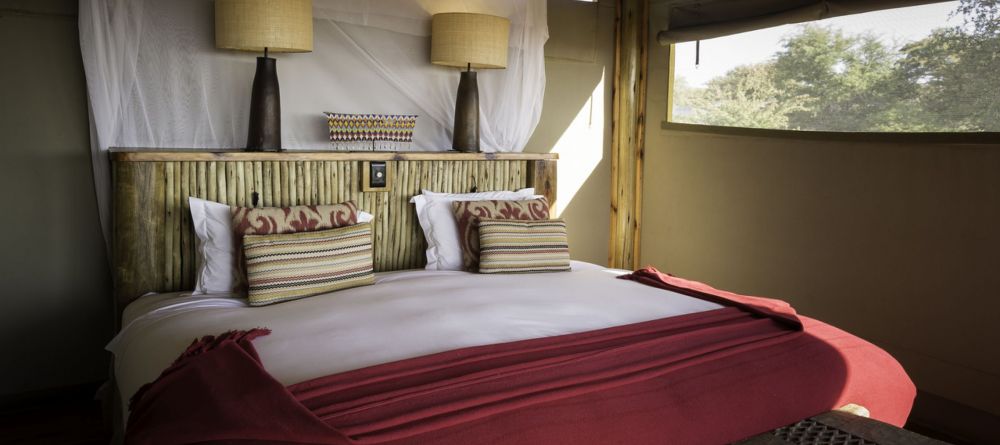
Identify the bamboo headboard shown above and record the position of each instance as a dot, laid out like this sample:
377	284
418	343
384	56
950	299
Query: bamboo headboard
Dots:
153	240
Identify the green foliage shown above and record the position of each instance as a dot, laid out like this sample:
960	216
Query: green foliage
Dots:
982	15
840	75
745	97
824	79
957	70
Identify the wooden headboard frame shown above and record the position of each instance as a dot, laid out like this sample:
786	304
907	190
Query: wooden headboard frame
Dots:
153	240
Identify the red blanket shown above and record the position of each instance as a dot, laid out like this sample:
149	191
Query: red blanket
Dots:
711	378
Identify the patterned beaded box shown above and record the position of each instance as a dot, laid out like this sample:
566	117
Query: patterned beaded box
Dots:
371	132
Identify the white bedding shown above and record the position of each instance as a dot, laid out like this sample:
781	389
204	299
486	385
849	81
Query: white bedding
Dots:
405	314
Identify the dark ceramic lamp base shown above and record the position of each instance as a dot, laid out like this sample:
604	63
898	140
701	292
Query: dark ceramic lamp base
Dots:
466	136
264	133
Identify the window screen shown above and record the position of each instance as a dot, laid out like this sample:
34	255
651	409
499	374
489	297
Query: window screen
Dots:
930	68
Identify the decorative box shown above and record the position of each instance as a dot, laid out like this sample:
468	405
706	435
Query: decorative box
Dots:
371	132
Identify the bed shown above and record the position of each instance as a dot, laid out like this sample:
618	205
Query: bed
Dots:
405	314
450	357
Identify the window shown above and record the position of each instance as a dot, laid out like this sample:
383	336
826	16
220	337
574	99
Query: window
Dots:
929	68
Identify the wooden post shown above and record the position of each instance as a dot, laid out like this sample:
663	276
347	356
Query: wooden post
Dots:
543	179
138	249
628	126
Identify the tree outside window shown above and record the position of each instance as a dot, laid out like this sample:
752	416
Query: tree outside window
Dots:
823	78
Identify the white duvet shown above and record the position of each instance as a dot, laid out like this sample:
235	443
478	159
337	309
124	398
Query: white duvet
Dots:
405	314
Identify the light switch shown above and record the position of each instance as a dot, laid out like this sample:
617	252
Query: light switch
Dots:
377	176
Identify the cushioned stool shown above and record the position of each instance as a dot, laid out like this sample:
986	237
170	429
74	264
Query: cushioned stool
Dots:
840	428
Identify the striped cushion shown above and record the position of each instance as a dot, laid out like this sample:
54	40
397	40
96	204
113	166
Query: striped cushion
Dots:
511	246
468	214
271	220
295	265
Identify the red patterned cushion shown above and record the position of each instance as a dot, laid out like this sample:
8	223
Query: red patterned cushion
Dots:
275	220
468	214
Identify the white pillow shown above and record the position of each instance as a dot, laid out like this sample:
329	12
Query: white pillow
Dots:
215	247
444	251
216	254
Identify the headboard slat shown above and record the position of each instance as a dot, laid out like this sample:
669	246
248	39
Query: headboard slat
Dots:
154	243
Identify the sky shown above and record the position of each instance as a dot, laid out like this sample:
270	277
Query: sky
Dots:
722	54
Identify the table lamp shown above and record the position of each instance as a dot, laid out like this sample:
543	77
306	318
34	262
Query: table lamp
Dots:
468	41
281	26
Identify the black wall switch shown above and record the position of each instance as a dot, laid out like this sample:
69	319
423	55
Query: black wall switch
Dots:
377	176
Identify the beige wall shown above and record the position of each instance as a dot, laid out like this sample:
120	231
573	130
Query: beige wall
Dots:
55	310
897	242
576	123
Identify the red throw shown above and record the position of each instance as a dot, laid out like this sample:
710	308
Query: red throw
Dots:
705	378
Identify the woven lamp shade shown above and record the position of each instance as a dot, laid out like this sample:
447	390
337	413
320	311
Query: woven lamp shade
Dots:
283	26
459	39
